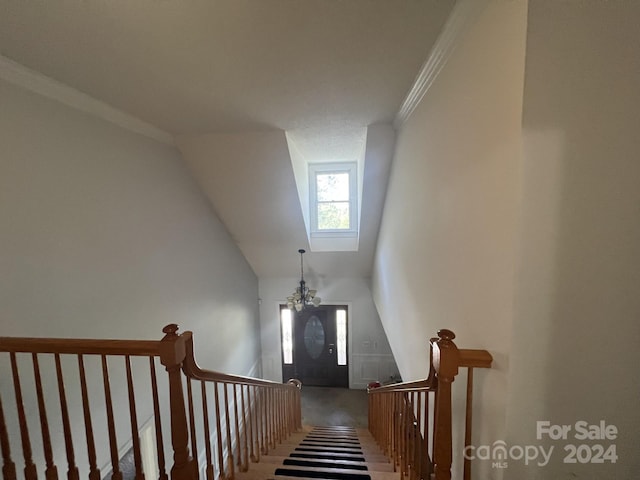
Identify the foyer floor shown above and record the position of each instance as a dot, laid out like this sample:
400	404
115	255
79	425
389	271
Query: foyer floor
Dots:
322	406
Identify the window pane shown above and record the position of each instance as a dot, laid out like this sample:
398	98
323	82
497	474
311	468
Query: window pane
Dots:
341	333
333	187
333	216
287	336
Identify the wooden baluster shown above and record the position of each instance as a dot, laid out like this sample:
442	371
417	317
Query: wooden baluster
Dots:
420	438
445	360
94	471
135	436
8	467
392	428
433	380
72	472
415	448
379	420
299	406
245	447
116	474
399	431
294	408
261	417
370	413
424	453
237	425
257	419
172	355
468	423
289	411
230	459
283	414
396	424
51	472
251	403
267	418
413	465
389	408
383	421
283	410
267	433
404	438
278	411
419	407
207	432
162	472
192	420
265	408
383	412
30	472
219	430
277	421
272	419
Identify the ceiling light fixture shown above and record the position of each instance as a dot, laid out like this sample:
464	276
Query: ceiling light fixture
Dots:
302	297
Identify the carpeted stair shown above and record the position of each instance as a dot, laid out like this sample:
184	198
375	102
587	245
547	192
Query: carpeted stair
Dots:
330	453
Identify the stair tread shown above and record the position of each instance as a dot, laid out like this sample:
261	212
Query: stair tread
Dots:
342	454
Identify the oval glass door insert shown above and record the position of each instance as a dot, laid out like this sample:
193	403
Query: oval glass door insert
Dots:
314	337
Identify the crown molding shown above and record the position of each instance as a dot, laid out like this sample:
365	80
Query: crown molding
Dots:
31	80
463	15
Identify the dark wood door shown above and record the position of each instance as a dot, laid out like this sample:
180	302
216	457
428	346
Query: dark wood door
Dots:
315	348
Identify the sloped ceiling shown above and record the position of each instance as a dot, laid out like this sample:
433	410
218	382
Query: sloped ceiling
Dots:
228	78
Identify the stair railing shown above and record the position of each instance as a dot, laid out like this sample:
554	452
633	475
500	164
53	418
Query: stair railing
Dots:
264	414
412	421
55	392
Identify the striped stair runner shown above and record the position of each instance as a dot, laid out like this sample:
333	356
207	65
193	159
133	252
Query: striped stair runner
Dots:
331	453
328	452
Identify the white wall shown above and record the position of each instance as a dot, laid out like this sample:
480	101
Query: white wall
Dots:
446	250
370	356
105	235
577	325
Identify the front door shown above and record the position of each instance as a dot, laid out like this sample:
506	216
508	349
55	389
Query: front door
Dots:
319	341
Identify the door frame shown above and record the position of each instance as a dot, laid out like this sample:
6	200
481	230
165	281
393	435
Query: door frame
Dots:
349	305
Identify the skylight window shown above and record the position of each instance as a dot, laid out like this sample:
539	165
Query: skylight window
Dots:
333	198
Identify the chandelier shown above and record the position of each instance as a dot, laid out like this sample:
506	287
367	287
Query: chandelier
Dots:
302	296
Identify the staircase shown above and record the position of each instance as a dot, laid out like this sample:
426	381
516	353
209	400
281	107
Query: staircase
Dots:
217	425
331	453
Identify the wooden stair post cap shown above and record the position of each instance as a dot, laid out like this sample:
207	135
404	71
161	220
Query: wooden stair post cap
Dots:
171	329
446	334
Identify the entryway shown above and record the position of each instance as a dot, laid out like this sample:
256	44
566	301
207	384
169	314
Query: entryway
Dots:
314	345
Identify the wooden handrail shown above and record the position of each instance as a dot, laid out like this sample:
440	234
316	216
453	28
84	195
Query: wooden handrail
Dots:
426	384
74	346
403	416
474	358
193	370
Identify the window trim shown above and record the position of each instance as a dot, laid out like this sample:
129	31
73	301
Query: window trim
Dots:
335	167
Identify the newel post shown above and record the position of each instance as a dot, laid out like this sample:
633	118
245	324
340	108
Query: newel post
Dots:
446	359
172	355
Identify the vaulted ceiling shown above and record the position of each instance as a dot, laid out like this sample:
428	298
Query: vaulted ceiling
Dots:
230	80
